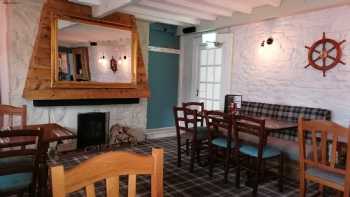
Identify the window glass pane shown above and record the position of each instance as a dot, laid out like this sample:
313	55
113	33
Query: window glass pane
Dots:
209	91
218	56
211	54
217	74
216	91
210	76
203	59
216	105
203	74
202	90
209	105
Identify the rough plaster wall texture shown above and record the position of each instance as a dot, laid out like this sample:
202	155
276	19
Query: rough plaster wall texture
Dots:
23	26
276	73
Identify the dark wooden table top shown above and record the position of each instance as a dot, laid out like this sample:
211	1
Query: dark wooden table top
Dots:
276	125
52	133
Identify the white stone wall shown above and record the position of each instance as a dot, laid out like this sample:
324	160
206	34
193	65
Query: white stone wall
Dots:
23	20
276	74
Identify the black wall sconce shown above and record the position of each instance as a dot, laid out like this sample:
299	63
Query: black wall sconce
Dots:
269	41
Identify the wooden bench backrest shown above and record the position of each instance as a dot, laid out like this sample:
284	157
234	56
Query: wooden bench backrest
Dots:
109	166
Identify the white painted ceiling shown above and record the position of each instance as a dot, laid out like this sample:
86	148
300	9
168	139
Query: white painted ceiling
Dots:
207	14
177	12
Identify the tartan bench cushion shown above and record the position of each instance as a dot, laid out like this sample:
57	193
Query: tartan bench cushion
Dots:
283	112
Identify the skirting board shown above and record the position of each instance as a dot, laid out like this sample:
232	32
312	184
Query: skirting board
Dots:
160	133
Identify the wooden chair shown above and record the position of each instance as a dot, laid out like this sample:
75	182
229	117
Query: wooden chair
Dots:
257	152
198	135
110	166
321	166
199	106
8	112
221	136
19	168
179	117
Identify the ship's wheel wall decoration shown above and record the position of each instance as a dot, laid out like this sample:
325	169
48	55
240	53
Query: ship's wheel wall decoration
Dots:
325	54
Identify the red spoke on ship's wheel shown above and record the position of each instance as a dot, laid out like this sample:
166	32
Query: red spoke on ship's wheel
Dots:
328	45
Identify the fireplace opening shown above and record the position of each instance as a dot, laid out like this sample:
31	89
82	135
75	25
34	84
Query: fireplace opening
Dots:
93	129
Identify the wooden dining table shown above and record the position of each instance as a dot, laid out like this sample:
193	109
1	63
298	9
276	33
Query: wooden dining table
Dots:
52	132
272	125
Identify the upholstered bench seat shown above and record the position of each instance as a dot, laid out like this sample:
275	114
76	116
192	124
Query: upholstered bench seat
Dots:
288	147
14	182
326	175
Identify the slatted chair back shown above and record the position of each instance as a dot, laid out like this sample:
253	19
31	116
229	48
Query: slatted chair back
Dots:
223	124
191	120
13	157
325	136
109	166
8	115
198	106
179	117
255	128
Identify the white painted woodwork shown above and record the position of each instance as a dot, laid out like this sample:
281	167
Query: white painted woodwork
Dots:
177	9
4	74
87	2
108	7
201	6
239	6
177	12
275	3
156	19
161	14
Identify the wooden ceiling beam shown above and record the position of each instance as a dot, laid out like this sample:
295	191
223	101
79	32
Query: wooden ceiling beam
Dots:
87	2
177	9
160	14
275	3
238	6
195	5
109	6
157	19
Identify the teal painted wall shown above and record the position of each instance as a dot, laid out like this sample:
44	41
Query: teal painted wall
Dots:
163	69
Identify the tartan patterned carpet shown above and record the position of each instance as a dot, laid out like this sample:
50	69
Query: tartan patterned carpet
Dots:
178	181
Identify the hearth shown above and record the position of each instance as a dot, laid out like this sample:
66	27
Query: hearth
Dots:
93	129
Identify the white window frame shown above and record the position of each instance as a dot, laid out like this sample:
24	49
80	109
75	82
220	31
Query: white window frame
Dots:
4	74
227	40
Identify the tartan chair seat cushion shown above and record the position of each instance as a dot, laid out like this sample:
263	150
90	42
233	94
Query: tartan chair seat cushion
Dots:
326	175
15	181
252	151
221	142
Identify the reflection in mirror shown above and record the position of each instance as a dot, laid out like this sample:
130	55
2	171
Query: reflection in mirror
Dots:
88	52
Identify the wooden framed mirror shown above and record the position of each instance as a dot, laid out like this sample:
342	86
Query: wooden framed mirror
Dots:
89	53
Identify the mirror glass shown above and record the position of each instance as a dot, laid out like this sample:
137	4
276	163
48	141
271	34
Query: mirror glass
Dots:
93	53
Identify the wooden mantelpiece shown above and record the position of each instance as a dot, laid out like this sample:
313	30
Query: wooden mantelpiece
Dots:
38	82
